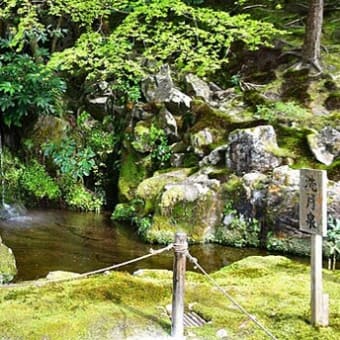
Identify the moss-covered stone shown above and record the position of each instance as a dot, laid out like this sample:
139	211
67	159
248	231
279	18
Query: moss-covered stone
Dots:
133	171
149	189
192	206
141	142
7	264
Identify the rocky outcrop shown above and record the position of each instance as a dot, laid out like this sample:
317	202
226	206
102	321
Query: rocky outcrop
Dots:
193	206
7	264
325	145
252	150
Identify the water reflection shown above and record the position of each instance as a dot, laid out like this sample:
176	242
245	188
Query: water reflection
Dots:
49	240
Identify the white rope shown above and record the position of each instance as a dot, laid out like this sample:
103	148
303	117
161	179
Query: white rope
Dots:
98	271
229	297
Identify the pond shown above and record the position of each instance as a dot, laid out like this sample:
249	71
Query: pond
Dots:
49	240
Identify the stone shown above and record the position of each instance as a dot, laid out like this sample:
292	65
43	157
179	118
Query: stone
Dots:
193	205
178	103
325	145
196	87
201	140
141	141
169	125
61	275
150	188
158	87
252	150
7	264
222	334
177	159
216	157
283	199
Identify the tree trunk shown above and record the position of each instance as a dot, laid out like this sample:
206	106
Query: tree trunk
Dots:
311	48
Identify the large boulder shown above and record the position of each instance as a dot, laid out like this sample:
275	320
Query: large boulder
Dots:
325	145
201	141
7	264
169	125
193	206
252	149
150	188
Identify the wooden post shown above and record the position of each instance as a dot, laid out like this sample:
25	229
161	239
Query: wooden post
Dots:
313	220
180	249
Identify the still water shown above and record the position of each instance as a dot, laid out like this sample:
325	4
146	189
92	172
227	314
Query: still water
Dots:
49	240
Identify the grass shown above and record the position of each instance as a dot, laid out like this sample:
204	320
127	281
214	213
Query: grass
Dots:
120	306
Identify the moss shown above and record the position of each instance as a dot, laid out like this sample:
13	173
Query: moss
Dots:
150	188
132	172
7	264
120	306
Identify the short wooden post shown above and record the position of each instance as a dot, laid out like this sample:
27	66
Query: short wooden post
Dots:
313	220
180	249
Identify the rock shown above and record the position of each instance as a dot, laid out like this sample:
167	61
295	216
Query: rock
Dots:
150	188
177	159
7	264
169	125
333	101
178	103
158	87
192	205
61	275
283	199
141	141
201	141
333	193
196	87
216	157
252	150
325	145
48	129
139	113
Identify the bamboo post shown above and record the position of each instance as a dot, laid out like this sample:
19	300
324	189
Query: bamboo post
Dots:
180	249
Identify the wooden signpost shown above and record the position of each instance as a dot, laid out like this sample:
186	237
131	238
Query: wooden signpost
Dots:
313	220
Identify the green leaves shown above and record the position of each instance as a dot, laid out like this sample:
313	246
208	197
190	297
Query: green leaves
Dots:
27	88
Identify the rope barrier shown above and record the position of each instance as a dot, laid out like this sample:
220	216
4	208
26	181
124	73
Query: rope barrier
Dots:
228	296
98	271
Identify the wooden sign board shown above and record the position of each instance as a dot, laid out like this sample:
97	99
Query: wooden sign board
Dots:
313	201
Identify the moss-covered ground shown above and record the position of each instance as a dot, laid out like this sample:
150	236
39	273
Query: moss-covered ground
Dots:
120	306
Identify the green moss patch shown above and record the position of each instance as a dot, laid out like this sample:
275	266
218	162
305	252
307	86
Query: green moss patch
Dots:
120	306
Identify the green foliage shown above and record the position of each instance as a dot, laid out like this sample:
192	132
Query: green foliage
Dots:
161	151
70	158
36	181
143	225
27	88
333	241
192	39
239	231
127	211
80	198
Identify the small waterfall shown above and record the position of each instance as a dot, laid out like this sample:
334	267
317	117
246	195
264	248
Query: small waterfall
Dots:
7	211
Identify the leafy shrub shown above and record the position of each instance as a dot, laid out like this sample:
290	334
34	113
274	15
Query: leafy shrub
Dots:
35	180
79	198
161	151
333	241
192	39
27	88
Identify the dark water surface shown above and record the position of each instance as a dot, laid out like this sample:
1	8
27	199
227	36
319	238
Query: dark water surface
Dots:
49	240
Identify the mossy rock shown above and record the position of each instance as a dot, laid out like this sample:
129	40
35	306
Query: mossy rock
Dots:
150	188
7	264
190	206
133	171
296	84
141	141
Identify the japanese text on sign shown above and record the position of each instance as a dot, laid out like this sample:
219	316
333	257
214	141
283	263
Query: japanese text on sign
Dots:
313	204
